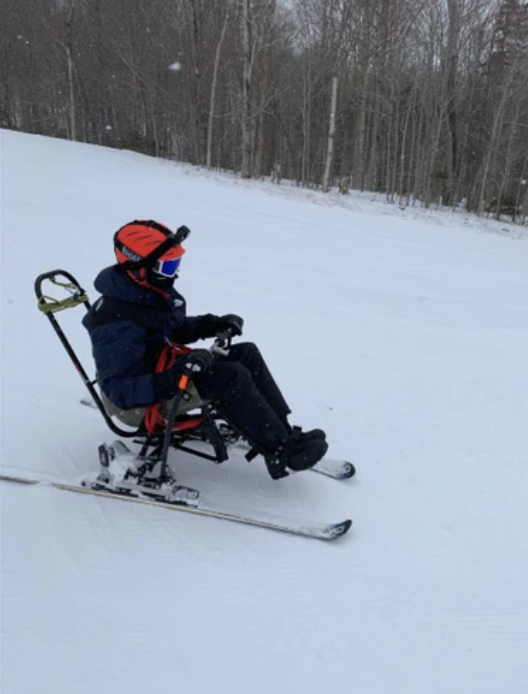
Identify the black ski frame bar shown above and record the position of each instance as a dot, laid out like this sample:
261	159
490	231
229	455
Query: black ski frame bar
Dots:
69	349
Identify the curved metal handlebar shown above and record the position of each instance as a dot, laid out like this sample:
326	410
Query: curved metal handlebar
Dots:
51	276
222	343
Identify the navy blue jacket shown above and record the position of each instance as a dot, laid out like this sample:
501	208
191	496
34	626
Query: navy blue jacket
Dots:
128	326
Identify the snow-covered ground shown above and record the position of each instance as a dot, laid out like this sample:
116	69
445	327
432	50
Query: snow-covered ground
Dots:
403	334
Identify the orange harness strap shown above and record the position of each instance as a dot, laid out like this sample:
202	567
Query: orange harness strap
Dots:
153	417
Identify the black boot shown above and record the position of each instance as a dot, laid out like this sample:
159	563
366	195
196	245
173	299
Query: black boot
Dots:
311	435
301	453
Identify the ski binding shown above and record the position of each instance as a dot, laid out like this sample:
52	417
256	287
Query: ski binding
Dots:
121	474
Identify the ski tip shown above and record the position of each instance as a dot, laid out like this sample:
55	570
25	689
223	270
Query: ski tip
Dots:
348	471
19	480
340	529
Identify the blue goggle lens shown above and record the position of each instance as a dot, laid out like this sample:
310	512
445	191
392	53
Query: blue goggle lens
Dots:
168	268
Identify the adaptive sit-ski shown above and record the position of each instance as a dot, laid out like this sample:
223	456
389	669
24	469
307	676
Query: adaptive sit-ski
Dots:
147	476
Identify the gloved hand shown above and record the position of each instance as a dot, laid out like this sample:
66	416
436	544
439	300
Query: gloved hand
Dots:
231	322
211	325
201	359
167	383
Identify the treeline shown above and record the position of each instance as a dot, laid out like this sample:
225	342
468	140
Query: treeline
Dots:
431	96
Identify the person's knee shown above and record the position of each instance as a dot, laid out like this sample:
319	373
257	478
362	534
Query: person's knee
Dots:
248	347
247	353
223	376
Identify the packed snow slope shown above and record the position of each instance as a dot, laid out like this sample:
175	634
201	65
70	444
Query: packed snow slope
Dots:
403	334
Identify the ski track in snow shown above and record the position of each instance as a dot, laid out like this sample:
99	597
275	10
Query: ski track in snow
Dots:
404	334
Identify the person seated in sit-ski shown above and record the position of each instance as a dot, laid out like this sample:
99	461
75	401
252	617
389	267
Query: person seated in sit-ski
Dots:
140	311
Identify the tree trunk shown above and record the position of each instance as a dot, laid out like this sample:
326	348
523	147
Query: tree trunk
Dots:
247	125
404	166
372	160
497	126
521	194
505	169
360	166
71	82
212	102
452	70
331	133
305	132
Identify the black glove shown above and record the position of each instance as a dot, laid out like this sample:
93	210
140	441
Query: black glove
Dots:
211	325
166	383
231	322
201	359
208	325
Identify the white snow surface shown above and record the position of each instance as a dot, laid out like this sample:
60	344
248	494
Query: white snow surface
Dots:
403	333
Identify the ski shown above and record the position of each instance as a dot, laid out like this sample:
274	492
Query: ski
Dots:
324	531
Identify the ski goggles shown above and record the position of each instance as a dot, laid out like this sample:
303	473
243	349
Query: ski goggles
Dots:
167	268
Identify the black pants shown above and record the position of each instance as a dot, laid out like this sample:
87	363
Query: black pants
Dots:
245	391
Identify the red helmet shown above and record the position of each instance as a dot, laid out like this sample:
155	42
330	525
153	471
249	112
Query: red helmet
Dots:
150	252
